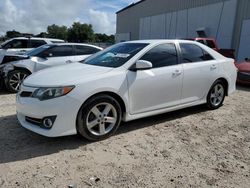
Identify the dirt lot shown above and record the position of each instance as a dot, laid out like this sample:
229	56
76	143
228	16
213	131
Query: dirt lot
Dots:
188	148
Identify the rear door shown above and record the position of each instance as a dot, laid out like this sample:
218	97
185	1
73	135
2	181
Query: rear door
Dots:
35	43
159	87
200	71
55	56
82	52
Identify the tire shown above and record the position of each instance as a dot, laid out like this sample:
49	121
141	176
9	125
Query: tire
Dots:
14	80
216	95
99	118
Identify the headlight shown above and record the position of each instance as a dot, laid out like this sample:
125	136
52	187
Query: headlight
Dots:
50	93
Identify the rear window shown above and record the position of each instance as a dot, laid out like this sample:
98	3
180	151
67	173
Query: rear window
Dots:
193	53
36	43
85	50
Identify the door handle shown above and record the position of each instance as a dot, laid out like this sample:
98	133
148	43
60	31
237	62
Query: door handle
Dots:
213	67
176	72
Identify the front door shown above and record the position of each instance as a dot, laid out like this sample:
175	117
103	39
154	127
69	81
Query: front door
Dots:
159	87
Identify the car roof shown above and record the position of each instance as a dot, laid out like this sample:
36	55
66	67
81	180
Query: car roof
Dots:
77	44
39	38
151	43
156	41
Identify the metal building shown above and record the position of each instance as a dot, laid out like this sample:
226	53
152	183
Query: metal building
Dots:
226	20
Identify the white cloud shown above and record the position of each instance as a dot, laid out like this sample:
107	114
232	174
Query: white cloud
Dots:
102	22
33	16
9	15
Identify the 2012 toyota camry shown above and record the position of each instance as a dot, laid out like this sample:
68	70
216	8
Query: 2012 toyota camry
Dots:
127	81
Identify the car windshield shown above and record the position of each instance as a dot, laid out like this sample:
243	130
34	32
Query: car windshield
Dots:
116	55
37	51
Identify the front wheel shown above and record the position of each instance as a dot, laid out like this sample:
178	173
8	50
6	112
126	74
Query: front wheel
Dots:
14	80
216	95
99	118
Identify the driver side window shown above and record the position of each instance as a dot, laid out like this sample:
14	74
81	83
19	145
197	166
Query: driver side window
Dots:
162	55
15	44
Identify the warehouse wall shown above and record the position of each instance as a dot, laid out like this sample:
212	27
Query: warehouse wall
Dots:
128	21
226	20
212	18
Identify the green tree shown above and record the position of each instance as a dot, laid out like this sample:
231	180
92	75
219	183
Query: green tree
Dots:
59	32
12	34
79	32
42	35
104	38
101	37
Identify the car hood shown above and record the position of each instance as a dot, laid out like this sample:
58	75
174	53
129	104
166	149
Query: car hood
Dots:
71	74
245	66
13	58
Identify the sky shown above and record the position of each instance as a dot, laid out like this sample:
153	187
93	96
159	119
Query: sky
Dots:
33	16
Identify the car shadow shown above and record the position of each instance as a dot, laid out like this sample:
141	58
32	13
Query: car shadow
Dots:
243	87
4	93
17	143
157	119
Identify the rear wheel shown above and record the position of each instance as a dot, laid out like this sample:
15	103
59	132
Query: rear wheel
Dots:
216	95
14	80
99	118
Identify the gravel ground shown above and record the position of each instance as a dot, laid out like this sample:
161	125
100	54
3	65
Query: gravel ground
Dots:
193	147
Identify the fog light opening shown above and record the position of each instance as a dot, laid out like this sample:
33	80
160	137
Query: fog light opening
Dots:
48	122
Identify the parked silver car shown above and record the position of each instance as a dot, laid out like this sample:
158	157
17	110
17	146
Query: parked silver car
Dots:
21	45
46	56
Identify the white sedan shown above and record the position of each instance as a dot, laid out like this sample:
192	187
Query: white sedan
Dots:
127	81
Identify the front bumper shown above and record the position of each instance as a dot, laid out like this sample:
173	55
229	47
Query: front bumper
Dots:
65	109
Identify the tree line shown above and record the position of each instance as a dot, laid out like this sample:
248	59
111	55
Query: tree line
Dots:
78	32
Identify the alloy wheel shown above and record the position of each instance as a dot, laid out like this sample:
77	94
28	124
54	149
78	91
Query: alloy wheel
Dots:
217	94
101	119
16	80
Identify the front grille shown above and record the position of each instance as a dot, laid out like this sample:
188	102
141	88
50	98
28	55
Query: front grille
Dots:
244	76
34	121
25	94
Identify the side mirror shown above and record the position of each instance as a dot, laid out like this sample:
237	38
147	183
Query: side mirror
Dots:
141	65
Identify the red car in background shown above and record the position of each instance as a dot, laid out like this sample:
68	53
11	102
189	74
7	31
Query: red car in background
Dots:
243	72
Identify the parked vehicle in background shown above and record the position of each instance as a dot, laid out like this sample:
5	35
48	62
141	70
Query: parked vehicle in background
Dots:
21	45
45	56
127	81
243	72
211	43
